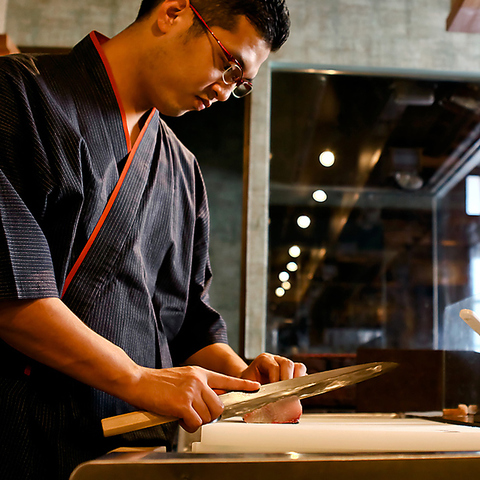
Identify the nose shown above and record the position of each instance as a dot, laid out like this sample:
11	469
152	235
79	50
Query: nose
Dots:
222	91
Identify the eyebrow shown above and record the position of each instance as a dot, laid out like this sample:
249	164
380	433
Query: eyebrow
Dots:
240	61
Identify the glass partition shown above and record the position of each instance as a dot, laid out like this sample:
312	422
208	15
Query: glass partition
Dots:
361	206
459	256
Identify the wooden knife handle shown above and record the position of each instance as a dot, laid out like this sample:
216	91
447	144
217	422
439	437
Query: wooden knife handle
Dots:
129	422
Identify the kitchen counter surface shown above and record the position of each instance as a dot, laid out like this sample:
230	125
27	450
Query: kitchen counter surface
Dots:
366	446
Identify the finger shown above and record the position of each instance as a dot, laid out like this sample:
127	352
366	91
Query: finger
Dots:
286	368
267	367
225	382
189	427
213	404
202	410
273	372
219	391
205	407
191	420
300	370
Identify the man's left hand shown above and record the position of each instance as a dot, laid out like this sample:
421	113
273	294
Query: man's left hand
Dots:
268	368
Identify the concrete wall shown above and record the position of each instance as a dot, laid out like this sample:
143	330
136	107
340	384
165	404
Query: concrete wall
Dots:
62	23
407	34
3	15
387	33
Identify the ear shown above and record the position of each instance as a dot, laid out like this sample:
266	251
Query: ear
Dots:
170	12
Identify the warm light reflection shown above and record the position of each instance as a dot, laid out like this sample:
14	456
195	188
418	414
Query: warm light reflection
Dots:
327	158
376	157
283	276
292	267
303	221
472	195
279	292
294	251
319	196
286	285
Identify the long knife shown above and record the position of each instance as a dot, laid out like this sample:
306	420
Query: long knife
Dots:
239	403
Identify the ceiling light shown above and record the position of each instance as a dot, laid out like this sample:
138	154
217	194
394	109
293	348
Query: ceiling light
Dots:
294	251
319	196
279	292
283	276
292	267
303	221
327	158
286	285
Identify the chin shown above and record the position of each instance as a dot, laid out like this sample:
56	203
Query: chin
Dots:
170	111
178	114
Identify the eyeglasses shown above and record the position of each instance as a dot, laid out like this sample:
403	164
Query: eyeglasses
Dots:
233	75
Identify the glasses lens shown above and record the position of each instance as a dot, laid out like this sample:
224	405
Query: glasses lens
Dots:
242	89
233	74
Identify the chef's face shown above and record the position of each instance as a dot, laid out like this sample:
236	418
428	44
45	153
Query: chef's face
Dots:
191	79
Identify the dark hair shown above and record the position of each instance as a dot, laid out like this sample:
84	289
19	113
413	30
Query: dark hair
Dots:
269	17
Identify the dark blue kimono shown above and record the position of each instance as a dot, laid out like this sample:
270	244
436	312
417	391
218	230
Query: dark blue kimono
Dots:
65	166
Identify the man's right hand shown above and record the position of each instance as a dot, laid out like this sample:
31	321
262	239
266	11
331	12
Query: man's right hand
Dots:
47	331
185	392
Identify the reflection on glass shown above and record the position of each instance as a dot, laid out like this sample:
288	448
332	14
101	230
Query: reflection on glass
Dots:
319	196
472	195
365	276
459	263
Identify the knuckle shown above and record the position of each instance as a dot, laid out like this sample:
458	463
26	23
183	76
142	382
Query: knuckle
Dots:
190	371
218	411
217	408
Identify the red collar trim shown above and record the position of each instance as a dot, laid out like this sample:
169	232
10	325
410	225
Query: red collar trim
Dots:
108	207
98	40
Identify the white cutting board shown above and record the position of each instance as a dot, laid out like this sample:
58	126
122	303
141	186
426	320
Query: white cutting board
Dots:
325	433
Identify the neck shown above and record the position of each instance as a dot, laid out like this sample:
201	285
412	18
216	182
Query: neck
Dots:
124	64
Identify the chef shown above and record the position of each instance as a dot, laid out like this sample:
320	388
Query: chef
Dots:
104	267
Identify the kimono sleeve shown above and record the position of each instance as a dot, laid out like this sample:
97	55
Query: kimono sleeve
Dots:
26	269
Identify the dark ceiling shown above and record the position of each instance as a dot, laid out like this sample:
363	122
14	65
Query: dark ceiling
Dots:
416	124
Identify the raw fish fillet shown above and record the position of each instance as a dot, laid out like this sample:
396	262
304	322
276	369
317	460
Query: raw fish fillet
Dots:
287	410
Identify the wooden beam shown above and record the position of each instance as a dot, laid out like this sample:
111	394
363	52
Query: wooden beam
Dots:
6	45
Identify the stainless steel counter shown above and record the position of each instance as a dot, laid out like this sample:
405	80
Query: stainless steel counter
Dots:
351	446
150	465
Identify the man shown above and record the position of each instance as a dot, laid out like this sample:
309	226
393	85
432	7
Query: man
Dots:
104	268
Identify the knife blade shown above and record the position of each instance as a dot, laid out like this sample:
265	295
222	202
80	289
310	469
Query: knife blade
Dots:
239	403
